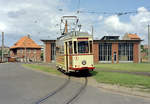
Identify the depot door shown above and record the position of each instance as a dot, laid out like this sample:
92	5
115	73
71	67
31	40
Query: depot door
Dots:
115	57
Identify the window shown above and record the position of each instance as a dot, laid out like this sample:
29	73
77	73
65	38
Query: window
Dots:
90	46
34	50
28	50
126	51
59	47
75	47
21	50
105	51
83	47
53	51
70	47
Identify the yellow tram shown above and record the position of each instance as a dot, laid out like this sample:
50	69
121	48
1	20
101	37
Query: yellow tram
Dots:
74	52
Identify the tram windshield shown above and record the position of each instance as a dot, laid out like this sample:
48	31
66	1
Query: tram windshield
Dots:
83	47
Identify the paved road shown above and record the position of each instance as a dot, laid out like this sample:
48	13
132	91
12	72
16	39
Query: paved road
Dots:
24	86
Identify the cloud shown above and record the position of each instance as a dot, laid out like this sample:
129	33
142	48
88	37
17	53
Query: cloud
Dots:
100	18
35	17
40	18
2	27
114	24
137	23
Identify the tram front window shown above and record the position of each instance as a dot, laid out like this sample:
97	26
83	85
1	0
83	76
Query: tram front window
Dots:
83	47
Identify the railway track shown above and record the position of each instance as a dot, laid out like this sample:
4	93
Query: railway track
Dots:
78	92
70	100
40	101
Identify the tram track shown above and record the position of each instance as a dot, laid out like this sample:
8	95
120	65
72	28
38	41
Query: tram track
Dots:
69	100
78	92
41	100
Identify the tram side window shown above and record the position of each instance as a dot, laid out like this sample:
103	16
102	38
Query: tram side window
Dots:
57	49
83	47
70	47
75	47
90	46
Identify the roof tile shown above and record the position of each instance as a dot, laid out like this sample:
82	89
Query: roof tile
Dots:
133	36
25	42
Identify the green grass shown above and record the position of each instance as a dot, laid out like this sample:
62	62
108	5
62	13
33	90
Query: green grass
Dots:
131	67
43	68
127	80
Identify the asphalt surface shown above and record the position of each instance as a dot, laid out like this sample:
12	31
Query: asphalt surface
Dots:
19	85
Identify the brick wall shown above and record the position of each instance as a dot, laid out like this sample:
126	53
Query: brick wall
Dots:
136	52
115	49
96	52
33	54
47	52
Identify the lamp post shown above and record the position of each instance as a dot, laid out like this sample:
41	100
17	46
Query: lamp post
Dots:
2	47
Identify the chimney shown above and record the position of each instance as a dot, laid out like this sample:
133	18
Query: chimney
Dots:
28	35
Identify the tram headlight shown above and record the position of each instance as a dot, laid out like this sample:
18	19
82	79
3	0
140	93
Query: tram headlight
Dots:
83	62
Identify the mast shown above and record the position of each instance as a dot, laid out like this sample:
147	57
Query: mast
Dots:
66	27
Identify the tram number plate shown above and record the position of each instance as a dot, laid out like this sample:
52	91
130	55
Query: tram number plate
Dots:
76	58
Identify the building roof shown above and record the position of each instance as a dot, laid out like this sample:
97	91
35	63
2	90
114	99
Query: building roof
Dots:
48	40
110	38
133	36
25	42
117	41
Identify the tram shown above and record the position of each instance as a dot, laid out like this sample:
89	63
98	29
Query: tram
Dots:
74	51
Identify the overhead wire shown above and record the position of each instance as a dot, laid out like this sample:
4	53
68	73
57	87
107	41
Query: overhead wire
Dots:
108	13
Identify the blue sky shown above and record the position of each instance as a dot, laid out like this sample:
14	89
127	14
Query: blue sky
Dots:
109	5
39	18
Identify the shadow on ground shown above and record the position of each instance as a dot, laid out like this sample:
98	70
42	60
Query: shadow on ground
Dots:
82	74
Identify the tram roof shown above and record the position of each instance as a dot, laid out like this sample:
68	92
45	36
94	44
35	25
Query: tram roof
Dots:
74	33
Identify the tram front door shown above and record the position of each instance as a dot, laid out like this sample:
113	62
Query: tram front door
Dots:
66	51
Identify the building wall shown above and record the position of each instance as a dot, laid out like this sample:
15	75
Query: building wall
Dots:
96	52
22	55
47	52
136	52
115	49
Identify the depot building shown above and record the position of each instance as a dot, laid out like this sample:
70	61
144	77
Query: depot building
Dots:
108	49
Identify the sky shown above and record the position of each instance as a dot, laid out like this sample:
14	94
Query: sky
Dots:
40	18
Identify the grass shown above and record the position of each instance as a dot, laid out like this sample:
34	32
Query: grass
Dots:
142	67
43	68
122	79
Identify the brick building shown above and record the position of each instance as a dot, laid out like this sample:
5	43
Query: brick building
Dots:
109	49
49	50
26	50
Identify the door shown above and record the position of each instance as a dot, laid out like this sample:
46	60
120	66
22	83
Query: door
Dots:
115	57
66	56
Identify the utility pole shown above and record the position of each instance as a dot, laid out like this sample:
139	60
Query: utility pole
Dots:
92	30
148	43
2	46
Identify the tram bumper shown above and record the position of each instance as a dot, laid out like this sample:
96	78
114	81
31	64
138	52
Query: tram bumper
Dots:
82	68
